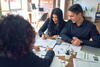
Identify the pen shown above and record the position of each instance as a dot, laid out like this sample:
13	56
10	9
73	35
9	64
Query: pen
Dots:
54	45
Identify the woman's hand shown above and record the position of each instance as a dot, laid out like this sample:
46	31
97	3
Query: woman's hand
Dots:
48	48
37	48
54	37
44	36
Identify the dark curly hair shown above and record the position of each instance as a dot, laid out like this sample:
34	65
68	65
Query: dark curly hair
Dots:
16	36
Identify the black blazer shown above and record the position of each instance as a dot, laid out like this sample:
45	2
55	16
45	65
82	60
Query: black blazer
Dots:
29	60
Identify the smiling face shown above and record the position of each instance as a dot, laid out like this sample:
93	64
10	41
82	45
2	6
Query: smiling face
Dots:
73	16
55	18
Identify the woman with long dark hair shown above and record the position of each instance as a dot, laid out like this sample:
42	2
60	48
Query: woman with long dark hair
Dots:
53	25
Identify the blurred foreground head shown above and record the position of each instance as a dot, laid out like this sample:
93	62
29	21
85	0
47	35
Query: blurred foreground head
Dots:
16	36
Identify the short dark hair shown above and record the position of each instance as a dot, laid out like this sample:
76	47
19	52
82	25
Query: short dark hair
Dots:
16	36
76	8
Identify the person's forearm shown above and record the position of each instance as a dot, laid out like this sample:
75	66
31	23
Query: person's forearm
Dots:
40	33
66	38
50	54
91	43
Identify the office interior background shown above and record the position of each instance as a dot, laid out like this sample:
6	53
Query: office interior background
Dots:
33	10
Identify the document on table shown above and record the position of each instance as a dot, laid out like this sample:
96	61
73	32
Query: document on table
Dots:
72	47
58	62
60	50
75	48
40	53
50	43
87	56
44	43
83	63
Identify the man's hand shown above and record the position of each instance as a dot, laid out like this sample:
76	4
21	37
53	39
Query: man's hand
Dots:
76	41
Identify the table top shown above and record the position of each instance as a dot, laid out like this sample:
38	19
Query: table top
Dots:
66	46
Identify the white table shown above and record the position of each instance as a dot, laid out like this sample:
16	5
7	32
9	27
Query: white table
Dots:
61	49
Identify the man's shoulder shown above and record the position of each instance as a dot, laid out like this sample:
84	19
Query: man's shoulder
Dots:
89	23
67	23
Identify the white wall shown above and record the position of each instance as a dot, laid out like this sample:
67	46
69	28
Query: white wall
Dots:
90	7
24	11
36	3
5	8
62	3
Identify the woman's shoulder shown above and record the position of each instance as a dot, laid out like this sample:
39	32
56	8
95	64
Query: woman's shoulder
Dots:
48	20
7	62
28	57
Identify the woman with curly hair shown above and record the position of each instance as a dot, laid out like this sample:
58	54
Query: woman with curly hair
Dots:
16	40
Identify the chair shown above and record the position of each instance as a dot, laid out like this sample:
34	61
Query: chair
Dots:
97	17
44	17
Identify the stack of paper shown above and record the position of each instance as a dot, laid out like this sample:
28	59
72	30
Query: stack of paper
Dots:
72	47
58	62
87	56
44	43
60	50
75	48
83	63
